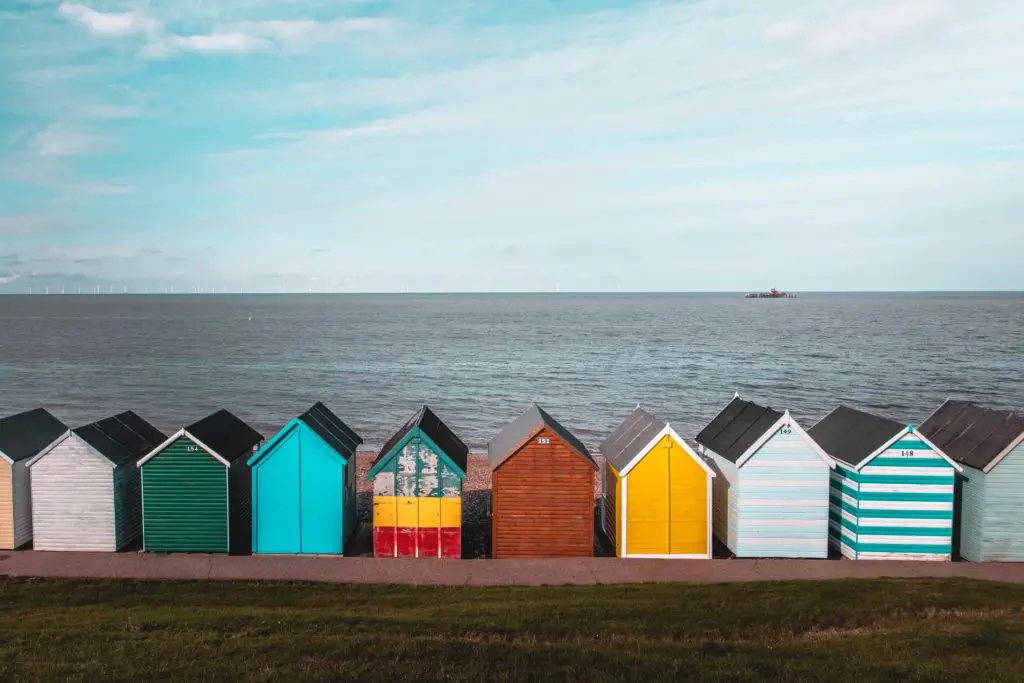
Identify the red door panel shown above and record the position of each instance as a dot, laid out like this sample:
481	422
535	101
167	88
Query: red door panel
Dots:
406	542
384	541
430	542
451	542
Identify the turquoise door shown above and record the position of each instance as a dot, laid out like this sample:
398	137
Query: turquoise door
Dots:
276	500
322	491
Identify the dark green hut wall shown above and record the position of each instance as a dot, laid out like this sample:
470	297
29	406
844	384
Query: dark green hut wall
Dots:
184	498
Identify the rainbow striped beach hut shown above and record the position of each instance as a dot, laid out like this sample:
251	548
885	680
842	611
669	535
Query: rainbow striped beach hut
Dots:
892	490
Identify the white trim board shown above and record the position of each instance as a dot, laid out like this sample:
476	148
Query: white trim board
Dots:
58	441
666	431
177	435
899	435
785	421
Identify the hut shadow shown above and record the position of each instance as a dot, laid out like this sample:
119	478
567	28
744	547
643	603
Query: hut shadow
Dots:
476	525
360	542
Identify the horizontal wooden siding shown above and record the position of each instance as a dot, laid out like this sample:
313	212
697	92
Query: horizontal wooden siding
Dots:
185	501
543	502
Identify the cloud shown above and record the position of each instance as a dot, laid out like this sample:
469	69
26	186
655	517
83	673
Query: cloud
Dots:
306	33
223	43
108	24
858	29
59	142
9	278
86	190
22	223
108	111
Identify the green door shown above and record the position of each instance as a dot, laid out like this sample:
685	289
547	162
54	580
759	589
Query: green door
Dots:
184	501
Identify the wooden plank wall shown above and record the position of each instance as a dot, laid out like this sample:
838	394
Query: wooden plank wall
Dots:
543	502
6	506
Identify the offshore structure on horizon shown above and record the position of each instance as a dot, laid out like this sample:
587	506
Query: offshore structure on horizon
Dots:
770	294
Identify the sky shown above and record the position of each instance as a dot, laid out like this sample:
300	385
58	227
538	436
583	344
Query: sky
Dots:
488	145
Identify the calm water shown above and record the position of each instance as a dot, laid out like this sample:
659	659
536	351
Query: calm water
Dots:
479	360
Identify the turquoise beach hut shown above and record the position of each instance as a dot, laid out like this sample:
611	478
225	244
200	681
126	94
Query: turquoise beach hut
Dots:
892	490
304	486
990	446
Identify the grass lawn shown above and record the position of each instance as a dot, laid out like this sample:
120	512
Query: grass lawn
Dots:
829	631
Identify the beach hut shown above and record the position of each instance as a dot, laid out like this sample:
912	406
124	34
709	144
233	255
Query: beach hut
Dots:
417	490
85	488
771	490
304	486
656	492
22	437
989	445
196	488
892	491
542	490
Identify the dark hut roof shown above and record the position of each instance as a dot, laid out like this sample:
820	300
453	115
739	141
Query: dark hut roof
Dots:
226	435
851	435
331	429
737	428
972	435
438	432
630	437
24	435
515	435
123	438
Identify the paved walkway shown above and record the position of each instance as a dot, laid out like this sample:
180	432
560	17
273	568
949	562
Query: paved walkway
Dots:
582	571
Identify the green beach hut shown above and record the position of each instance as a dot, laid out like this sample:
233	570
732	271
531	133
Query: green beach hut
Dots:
197	488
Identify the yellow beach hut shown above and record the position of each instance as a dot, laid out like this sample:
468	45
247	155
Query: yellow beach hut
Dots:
656	492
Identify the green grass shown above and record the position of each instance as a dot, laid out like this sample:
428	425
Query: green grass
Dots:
828	631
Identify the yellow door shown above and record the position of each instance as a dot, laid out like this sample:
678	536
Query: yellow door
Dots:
688	521
647	504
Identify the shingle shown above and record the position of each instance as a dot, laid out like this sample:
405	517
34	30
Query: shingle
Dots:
24	435
331	429
970	434
125	437
226	435
515	435
734	430
630	438
851	435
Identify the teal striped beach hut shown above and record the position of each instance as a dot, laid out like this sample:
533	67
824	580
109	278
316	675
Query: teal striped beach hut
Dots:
892	490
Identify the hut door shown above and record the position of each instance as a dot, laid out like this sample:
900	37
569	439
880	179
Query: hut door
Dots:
322	486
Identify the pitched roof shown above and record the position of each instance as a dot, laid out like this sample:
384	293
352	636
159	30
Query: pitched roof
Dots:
972	435
630	438
515	435
851	435
734	430
437	431
123	438
226	435
331	429
26	434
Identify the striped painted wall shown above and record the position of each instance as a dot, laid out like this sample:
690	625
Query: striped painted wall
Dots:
776	504
783	500
1002	534
899	505
723	499
972	515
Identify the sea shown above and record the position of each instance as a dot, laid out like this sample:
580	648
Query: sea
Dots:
478	360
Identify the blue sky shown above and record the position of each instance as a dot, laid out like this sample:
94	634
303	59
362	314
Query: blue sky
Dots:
511	146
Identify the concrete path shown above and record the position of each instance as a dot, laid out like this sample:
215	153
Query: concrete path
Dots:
582	571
